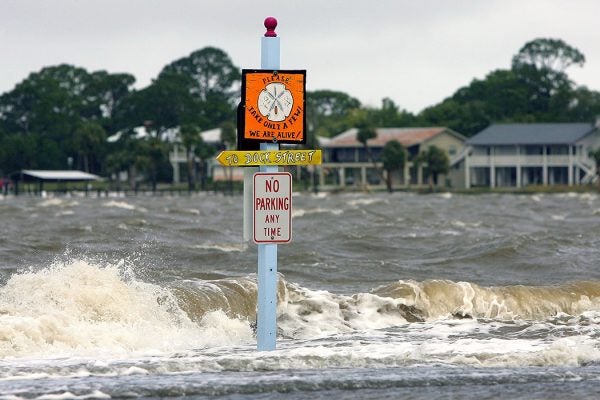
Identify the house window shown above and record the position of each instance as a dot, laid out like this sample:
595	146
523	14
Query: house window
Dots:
452	150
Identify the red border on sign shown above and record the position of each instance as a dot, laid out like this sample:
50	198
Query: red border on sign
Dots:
254	209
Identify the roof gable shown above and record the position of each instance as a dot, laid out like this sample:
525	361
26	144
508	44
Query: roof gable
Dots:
536	134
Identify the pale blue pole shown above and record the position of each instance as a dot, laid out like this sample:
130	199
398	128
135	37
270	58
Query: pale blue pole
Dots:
266	318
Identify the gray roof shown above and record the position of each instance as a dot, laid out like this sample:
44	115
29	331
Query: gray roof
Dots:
540	134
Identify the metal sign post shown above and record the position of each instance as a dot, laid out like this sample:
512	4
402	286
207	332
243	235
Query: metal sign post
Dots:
271	111
266	318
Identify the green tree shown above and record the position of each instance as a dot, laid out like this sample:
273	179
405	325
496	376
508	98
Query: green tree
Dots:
328	113
436	162
129	154
365	132
152	152
18	152
228	135
390	115
89	142
394	159
541	66
212	79
115	162
51	105
190	139
585	105
228	140
166	102
535	89
548	54
104	94
47	102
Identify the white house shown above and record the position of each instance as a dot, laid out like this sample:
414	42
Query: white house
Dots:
517	155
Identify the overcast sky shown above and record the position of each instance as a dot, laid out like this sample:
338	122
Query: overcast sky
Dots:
415	52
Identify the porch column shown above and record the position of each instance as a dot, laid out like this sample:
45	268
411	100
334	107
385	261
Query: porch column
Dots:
342	172
321	176
544	166
467	171
519	183
492	168
570	174
363	176
175	166
175	163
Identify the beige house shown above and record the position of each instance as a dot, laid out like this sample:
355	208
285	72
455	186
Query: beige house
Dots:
346	163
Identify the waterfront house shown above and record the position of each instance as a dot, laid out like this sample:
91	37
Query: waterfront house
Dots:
517	155
346	163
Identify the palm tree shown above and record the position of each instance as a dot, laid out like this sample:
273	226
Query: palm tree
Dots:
366	132
394	159
89	140
190	138
437	162
228	139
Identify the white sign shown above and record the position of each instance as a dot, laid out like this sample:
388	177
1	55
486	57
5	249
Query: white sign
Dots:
272	206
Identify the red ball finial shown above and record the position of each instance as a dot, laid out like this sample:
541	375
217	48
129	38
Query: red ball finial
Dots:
270	24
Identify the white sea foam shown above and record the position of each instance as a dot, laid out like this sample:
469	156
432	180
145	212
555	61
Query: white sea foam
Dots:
64	213
301	212
224	247
58	202
588	196
96	394
78	308
123	205
364	202
450	232
462	224
308	313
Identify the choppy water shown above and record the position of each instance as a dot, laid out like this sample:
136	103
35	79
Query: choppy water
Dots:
381	296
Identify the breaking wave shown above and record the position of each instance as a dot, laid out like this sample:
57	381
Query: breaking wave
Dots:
82	308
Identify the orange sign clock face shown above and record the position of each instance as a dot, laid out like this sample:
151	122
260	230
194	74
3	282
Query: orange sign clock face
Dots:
274	103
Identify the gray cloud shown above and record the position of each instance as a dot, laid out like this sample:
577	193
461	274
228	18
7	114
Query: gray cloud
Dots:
415	52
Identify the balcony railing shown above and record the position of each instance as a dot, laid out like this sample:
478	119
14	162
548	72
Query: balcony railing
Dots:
524	160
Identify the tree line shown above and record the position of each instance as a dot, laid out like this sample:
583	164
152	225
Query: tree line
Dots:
61	116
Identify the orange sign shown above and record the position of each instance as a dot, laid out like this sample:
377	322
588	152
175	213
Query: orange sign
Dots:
274	103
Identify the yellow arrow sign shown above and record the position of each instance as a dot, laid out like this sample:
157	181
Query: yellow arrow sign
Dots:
244	158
